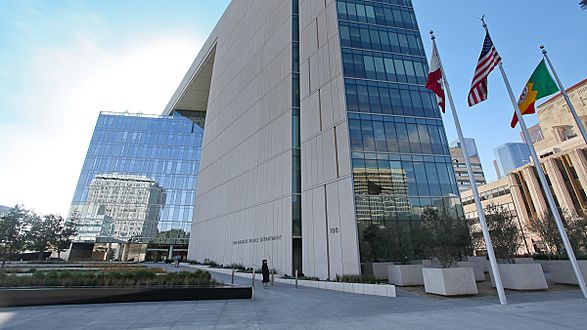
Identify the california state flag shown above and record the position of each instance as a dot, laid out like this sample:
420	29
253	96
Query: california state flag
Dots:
434	82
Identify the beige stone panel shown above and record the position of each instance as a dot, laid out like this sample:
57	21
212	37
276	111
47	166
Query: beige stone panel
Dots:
334	237
329	155
348	227
326	106
343	149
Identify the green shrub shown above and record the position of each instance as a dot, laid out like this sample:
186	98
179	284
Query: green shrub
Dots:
238	266
544	256
355	278
143	277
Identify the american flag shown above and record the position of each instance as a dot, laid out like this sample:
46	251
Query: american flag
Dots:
488	59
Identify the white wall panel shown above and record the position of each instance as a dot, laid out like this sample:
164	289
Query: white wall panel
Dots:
244	188
326	176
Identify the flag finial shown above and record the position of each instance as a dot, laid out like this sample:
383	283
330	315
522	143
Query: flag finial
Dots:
432	35
543	49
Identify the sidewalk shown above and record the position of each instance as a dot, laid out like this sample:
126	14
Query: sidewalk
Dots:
284	307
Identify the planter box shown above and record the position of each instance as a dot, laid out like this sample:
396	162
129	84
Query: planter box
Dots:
97	295
546	264
405	275
449	281
380	269
483	261
430	264
478	269
523	260
521	277
562	271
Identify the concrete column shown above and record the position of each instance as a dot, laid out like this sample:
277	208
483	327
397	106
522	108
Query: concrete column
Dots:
108	248
170	255
523	216
580	163
125	248
535	192
558	185
516	192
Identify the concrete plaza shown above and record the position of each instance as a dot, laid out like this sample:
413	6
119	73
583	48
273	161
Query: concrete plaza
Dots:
284	306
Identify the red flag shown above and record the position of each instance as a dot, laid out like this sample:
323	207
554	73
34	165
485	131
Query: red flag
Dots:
434	82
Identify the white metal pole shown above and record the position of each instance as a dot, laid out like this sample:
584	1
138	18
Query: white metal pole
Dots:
544	183
565	95
480	212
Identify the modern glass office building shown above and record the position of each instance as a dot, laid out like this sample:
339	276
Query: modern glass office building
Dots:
511	155
319	129
400	159
137	184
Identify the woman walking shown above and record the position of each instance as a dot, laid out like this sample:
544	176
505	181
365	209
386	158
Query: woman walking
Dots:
265	273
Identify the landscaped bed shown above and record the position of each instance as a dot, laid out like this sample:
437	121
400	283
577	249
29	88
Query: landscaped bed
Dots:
102	286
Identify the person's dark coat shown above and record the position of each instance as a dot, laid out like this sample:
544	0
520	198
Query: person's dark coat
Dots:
265	273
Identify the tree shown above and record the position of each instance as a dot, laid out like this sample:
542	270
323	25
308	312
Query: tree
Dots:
67	230
443	237
504	232
12	232
43	232
545	227
576	226
373	236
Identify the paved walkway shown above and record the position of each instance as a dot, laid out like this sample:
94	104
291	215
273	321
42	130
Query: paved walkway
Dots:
283	306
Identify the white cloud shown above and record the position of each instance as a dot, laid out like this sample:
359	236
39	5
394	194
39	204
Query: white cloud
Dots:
42	153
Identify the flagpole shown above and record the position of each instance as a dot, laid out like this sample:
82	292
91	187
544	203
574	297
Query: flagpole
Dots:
565	95
543	182
475	191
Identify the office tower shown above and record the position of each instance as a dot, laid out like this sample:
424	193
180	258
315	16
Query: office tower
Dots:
319	128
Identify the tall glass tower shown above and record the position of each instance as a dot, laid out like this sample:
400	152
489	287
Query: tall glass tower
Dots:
400	158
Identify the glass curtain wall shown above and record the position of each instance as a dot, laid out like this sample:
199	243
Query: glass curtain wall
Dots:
138	179
400	158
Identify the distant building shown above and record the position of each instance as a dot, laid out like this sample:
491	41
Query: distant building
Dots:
460	168
511	155
471	146
535	134
499	176
4	209
128	207
499	193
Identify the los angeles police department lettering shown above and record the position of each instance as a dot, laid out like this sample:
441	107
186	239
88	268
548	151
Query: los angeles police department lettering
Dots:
257	239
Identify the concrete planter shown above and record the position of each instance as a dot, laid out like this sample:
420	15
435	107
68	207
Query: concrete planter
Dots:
405	275
546	264
562	271
380	269
521	277
430	264
449	281
478	269
483	261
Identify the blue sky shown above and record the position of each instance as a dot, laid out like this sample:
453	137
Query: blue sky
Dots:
64	61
